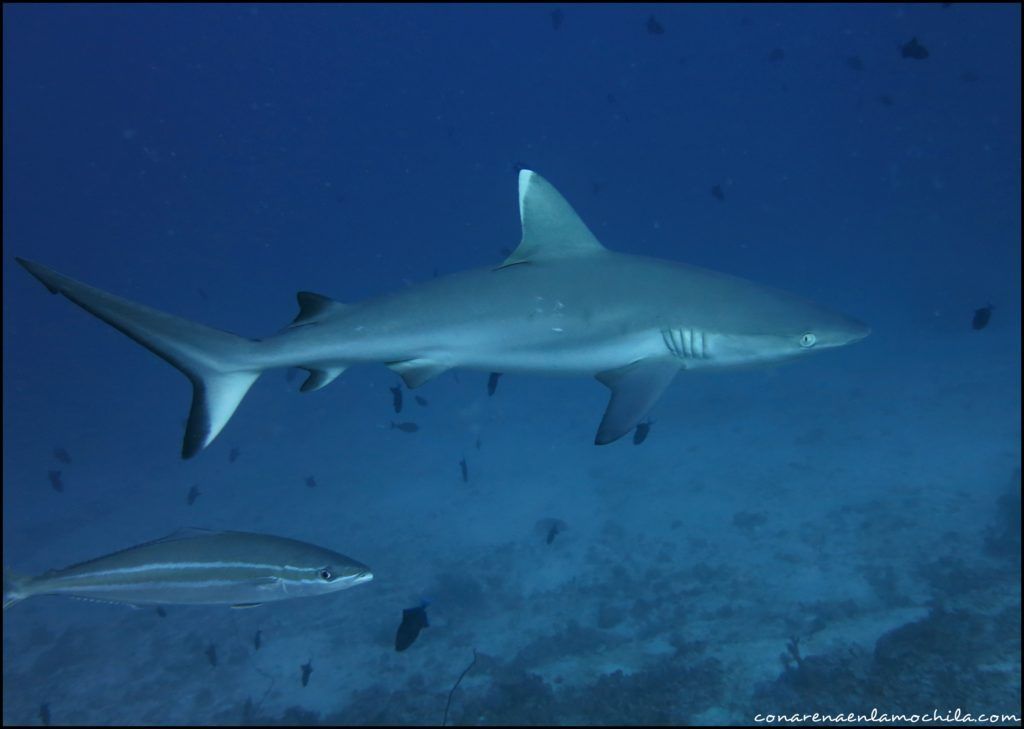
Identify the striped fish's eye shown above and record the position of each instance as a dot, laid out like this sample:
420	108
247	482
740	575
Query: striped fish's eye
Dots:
808	340
326	575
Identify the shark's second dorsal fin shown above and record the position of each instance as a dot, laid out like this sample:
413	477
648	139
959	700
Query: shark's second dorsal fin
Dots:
313	307
551	228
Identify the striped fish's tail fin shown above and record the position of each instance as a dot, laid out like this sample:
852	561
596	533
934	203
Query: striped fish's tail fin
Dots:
14	588
221	366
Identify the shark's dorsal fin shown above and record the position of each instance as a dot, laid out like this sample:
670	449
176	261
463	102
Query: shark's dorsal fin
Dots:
551	228
313	307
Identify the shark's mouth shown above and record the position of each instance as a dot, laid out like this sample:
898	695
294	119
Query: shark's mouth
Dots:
686	343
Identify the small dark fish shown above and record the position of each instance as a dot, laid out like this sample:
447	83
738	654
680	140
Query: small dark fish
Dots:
396	398
885	100
913	49
642	429
654	27
311	482
211	654
557	16
202	295
257	640
492	383
550	528
61	455
307	668
55	481
234	454
161	612
193	494
717	193
413	621
465	470
981	317
478	444
855	63
777	55
421	401
405	427
44	714
505	251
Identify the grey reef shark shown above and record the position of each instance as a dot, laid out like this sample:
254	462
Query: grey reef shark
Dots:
560	304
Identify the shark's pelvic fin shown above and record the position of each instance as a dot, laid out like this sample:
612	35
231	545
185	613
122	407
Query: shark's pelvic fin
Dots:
551	228
414	372
635	388
314	307
219	364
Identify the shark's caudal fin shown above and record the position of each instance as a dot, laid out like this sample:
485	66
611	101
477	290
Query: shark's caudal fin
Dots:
14	588
219	364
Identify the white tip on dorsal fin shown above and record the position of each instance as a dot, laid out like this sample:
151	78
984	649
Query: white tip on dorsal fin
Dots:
551	228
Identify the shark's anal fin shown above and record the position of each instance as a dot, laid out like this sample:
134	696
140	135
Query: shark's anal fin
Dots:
414	372
320	377
635	388
551	228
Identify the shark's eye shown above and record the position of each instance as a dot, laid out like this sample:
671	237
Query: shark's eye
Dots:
808	340
326	575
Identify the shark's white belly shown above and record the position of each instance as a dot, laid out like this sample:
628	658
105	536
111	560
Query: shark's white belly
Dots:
555	354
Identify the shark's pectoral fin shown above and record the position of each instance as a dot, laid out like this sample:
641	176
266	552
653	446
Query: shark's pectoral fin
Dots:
320	377
414	372
551	228
635	388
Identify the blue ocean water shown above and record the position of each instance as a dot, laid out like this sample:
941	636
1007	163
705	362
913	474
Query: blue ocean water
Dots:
835	535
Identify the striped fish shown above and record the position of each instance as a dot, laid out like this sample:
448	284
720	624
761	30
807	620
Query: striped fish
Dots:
200	567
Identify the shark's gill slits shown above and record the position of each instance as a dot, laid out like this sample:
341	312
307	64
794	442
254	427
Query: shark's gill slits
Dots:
686	343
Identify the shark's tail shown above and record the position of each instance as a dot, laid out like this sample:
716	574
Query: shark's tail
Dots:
219	364
14	588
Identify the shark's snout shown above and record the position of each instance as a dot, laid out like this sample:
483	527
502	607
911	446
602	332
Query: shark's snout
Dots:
845	330
856	330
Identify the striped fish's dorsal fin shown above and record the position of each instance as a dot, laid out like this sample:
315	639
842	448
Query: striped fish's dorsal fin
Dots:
183	533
